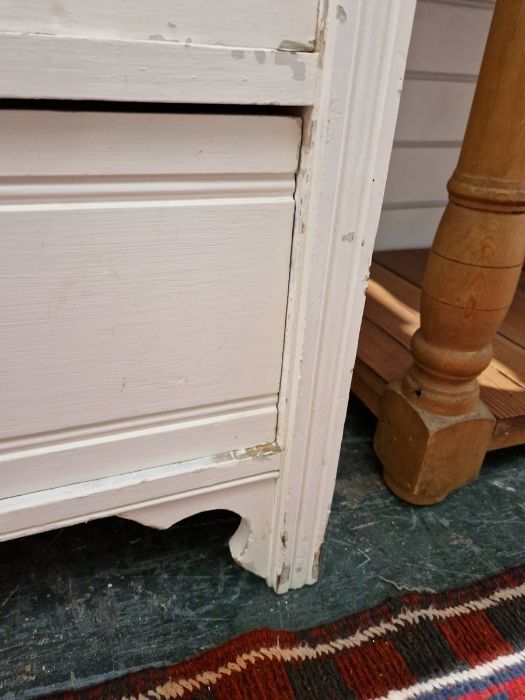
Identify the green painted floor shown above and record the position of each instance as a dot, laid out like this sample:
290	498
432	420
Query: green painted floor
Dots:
97	600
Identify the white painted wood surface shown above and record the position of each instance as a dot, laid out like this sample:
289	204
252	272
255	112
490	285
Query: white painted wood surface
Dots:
282	491
445	53
269	24
242	481
64	68
143	291
340	190
67	505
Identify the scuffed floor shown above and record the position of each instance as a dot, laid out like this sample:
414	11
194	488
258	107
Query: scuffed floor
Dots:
96	600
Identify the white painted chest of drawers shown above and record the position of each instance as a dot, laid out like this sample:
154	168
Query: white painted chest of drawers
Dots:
182	282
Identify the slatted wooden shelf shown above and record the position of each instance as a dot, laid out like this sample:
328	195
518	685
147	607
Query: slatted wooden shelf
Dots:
391	317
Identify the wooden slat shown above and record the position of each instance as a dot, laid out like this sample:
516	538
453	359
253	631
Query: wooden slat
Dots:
367	385
225	23
410	265
152	71
392	315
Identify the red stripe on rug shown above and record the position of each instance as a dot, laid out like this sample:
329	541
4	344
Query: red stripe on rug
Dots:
363	656
474	639
374	669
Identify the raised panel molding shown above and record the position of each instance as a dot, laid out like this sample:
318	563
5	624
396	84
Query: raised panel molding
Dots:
151	279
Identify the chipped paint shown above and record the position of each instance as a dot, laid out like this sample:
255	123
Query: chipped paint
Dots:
348	237
290	58
317	562
290	45
283	578
238	54
260	56
270	448
341	14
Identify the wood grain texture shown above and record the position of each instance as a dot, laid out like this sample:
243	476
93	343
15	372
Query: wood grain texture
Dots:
149	321
49	67
270	24
392	315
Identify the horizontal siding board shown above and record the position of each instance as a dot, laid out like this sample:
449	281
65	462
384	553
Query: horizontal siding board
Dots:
448	38
433	110
445	53
419	174
407	228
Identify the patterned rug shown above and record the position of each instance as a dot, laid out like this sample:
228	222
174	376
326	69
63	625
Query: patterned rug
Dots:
467	644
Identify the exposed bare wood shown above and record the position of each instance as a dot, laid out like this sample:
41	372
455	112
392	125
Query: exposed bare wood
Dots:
434	429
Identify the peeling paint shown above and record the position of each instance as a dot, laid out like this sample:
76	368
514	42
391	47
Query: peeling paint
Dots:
341	14
290	58
290	45
317	562
283	578
266	450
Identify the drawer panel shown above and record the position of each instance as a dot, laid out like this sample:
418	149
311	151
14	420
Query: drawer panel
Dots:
144	273
270	24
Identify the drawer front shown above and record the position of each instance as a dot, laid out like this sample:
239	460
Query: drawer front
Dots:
270	24
144	273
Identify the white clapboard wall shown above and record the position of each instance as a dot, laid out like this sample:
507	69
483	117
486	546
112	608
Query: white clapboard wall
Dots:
443	62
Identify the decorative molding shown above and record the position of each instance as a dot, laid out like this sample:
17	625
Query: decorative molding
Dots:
346	150
137	491
44	191
253	499
112	429
54	459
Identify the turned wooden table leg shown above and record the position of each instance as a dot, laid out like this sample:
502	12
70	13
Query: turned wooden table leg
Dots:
433	429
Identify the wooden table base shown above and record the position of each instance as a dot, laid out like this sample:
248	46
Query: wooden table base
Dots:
392	316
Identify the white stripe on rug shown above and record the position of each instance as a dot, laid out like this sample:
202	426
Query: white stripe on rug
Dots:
472	674
177	689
